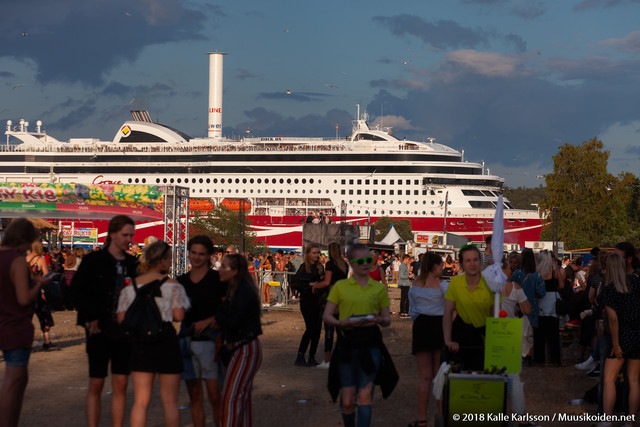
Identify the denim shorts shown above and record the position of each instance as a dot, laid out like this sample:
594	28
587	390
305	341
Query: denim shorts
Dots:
17	357
352	374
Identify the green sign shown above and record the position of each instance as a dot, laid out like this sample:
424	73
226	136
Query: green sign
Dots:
476	400
503	344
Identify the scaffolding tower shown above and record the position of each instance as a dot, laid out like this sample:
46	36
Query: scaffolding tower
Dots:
176	226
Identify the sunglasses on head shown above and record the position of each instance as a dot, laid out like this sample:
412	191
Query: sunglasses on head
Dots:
361	261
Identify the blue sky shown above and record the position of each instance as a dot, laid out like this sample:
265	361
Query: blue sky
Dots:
508	81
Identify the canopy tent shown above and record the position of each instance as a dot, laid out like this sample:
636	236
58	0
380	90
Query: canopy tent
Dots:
391	237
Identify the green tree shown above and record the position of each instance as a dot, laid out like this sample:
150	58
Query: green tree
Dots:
524	197
223	225
402	226
590	209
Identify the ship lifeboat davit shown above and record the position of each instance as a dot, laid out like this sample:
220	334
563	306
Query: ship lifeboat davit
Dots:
200	205
234	205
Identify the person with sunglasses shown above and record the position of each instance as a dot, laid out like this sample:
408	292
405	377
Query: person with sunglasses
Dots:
362	304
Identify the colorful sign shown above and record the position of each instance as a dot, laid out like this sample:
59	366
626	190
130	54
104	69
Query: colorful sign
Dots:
139	200
503	344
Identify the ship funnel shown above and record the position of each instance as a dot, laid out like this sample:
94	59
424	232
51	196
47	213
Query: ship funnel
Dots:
215	95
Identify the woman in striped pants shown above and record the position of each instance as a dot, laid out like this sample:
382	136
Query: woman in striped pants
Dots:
239	319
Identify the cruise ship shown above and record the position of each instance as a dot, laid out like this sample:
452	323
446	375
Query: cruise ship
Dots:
285	181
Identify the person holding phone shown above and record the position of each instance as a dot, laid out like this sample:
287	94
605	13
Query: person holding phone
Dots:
363	305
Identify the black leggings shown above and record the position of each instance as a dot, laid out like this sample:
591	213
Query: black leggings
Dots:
404	299
310	308
546	335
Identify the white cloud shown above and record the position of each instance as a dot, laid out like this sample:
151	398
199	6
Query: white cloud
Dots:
396	122
489	64
629	44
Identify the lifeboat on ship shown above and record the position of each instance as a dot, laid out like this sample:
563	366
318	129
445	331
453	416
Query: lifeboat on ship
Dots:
200	205
234	205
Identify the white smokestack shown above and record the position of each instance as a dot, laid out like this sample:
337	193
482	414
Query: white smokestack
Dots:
215	95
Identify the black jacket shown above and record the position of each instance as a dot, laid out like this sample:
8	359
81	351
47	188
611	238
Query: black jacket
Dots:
94	289
239	316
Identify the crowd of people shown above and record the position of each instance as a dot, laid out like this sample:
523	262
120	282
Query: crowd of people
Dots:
219	303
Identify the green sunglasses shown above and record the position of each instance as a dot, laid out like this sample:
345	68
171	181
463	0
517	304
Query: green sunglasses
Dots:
361	261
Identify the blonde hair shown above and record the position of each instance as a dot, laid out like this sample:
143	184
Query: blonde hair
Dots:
307	261
615	273
544	263
153	255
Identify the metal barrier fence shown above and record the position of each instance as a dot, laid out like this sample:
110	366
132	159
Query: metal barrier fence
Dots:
278	288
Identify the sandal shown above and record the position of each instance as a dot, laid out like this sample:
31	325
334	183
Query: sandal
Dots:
418	423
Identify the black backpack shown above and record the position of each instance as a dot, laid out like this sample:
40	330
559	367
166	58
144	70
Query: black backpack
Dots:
142	320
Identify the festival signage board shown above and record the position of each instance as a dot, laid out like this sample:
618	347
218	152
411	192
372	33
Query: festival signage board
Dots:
75	199
503	344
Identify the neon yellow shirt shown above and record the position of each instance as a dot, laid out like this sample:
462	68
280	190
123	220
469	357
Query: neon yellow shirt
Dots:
472	307
353	300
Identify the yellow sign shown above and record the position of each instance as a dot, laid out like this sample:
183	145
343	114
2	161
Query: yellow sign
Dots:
503	344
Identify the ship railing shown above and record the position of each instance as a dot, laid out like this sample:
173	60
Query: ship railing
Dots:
186	148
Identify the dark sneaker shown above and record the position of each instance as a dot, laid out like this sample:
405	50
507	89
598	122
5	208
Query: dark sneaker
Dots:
300	361
312	362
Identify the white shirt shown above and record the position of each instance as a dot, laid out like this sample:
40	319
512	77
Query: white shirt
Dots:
173	296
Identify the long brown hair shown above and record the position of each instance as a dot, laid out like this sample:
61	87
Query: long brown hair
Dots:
429	260
307	263
335	255
242	278
18	232
116	224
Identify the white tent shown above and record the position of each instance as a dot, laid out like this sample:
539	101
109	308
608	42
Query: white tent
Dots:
391	237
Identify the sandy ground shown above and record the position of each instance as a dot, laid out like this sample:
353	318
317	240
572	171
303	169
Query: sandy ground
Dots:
284	394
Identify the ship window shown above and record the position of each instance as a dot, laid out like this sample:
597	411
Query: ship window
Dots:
258	190
366	182
382	201
342	191
215	180
259	180
157	180
432	213
310	191
251	191
244	191
129	181
281	181
375	192
193	180
208	180
416	192
366	192
350	182
311	181
336	191
288	191
374	201
295	191
244	180
350	192
200	180
490	221
359	182
171	180
200	190
391	182
424	192
359	192
512	220
384	182
522	220
342	181
280	191
460	222
383	192
304	181
415	202
137	180
288	180
295	181
222	181
375	182
416	182
179	180
391	192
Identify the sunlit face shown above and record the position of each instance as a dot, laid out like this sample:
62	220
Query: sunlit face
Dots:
198	255
313	255
357	268
471	262
122	239
225	271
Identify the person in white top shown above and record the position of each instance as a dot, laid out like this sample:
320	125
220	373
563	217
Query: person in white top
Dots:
162	356
426	307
